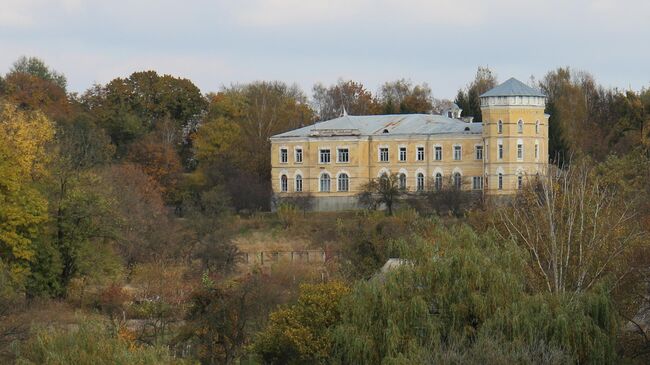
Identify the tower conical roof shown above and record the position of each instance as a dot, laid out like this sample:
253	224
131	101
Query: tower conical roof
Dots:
513	87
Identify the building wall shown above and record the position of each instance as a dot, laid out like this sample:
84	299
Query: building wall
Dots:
511	166
364	162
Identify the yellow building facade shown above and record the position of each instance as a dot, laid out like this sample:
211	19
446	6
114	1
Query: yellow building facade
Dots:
332	160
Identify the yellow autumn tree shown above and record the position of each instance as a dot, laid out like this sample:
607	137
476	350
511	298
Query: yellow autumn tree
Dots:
23	139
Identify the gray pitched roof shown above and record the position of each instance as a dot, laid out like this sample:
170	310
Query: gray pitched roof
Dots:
513	87
393	124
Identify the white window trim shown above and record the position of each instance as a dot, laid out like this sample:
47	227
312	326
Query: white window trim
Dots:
442	152
379	153
283	147
337	181
399	153
482	152
382	171
523	150
500	127
503	151
337	154
319	153
424	151
521	120
302	182
537	126
295	154
320	187
453	150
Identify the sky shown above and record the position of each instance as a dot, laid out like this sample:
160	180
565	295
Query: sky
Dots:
221	42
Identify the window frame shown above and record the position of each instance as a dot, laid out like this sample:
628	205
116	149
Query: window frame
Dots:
500	127
380	156
321	154
321	180
297	183
520	126
339	150
284	155
458	148
284	183
298	151
420	149
478	148
403	149
343	178
419	181
436	149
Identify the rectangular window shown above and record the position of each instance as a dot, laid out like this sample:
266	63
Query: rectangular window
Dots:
383	154
520	151
438	153
325	156
457	153
402	153
420	154
298	155
479	152
536	151
500	151
343	155
284	155
477	182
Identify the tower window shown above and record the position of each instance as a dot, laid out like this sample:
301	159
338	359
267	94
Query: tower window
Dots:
520	181
537	127
520	126
500	127
500	151
520	151
500	182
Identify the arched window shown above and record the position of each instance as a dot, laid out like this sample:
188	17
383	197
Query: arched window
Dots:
520	126
402	181
458	180
343	182
325	182
438	181
284	183
500	185
520	181
537	127
298	183
419	182
500	127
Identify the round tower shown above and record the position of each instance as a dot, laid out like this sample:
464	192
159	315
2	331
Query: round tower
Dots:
515	136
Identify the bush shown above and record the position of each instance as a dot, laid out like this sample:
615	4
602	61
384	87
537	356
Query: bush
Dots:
90	343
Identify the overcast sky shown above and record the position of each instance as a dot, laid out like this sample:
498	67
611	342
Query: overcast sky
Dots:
441	42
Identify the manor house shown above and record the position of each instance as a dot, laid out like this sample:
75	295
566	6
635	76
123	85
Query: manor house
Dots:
333	159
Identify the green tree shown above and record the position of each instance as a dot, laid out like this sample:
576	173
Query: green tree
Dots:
298	334
383	190
36	67
468	99
456	297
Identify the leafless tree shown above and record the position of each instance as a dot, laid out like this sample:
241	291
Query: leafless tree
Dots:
576	230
